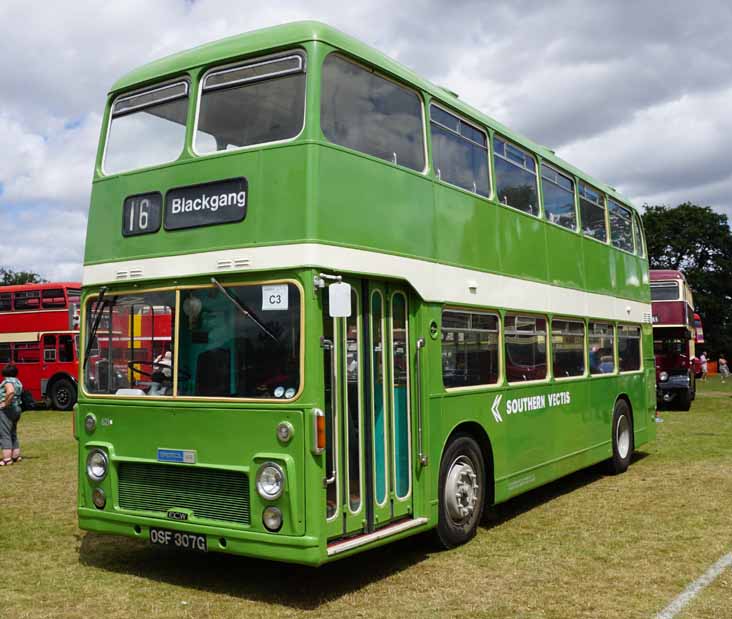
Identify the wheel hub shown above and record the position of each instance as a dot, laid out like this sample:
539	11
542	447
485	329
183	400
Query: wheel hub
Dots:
461	490
622	436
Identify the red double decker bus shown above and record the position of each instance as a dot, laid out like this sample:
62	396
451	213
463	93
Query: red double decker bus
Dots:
39	333
673	338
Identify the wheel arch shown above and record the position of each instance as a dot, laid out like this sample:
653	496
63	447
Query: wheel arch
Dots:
56	377
477	432
626	398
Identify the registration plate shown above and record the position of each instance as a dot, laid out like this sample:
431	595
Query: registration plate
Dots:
178	539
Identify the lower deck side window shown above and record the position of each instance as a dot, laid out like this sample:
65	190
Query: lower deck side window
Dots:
602	349
525	347
469	348
629	349
568	348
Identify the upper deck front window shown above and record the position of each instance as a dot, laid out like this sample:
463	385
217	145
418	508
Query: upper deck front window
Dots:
255	103
362	110
147	128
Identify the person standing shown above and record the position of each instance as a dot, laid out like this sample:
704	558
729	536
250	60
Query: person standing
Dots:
723	367
10	390
704	366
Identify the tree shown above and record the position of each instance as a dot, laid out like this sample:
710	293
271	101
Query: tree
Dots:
8	277
698	241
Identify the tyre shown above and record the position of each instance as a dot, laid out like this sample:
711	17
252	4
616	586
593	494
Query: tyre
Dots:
63	394
622	437
462	491
683	400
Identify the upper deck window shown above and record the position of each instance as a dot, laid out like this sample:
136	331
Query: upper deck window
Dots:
638	235
558	192
369	113
515	177
621	226
592	210
258	102
665	291
459	152
147	128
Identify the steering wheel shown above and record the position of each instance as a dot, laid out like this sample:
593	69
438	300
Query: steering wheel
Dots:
155	365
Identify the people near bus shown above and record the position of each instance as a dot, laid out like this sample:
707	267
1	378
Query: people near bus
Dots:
704	365
723	367
10	391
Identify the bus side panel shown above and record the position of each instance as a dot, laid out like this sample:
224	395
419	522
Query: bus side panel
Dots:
362	202
600	268
466	229
521	245
564	248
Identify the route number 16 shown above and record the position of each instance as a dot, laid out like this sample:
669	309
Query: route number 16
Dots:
143	219
141	214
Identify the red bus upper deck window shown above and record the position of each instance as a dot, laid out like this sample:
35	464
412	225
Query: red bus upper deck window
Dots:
6	302
28	300
54	297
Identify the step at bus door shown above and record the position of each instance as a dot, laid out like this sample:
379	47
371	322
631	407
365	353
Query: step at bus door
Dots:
367	373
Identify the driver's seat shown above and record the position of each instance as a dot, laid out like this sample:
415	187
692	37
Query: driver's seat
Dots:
213	372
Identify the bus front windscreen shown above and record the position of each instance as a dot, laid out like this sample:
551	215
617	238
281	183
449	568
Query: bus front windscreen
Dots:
238	341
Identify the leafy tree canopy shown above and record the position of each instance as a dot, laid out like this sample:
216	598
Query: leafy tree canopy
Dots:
8	277
698	241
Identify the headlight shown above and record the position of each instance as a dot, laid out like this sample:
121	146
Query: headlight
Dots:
272	519
270	481
663	377
97	464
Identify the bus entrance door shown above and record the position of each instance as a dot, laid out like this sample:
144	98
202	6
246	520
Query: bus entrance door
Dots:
367	381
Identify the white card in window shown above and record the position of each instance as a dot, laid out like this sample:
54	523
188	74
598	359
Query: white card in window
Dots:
274	297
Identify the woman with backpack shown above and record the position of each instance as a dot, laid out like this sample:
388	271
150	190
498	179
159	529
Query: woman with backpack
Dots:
10	391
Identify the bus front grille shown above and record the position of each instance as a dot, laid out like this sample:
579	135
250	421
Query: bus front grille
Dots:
214	494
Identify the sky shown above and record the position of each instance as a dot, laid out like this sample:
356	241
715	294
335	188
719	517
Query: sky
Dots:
635	93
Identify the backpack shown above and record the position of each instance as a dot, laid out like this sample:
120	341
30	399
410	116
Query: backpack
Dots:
13	410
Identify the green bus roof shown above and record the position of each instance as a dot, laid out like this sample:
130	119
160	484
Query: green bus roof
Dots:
241	45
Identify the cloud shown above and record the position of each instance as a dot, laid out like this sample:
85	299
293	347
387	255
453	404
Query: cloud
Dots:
634	92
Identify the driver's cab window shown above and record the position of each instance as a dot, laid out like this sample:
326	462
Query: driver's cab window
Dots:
131	335
240	341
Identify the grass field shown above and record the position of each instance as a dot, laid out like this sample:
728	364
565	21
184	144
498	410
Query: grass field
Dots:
588	545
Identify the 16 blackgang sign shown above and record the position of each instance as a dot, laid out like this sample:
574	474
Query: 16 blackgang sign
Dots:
221	202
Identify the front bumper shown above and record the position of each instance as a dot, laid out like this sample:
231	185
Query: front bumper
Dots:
306	550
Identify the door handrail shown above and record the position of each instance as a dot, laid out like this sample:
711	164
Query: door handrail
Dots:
328	346
423	460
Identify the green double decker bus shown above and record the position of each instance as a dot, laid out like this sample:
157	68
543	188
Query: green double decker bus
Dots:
326	305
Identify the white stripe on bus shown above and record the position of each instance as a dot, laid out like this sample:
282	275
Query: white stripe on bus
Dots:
432	281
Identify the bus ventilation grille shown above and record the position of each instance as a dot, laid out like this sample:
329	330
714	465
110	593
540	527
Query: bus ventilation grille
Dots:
209	493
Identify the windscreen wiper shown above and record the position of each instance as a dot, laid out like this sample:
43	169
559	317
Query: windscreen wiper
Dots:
243	309
101	305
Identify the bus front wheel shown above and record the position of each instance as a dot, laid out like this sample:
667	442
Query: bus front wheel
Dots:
462	491
63	394
622	437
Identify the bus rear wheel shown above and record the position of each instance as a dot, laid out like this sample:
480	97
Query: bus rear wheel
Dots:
462	492
63	394
623	445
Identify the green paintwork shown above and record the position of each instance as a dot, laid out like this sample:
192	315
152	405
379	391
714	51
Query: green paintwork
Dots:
308	190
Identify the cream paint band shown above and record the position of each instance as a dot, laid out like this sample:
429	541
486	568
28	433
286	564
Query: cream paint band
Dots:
433	281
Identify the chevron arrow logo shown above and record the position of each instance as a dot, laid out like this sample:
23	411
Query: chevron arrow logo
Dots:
494	408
